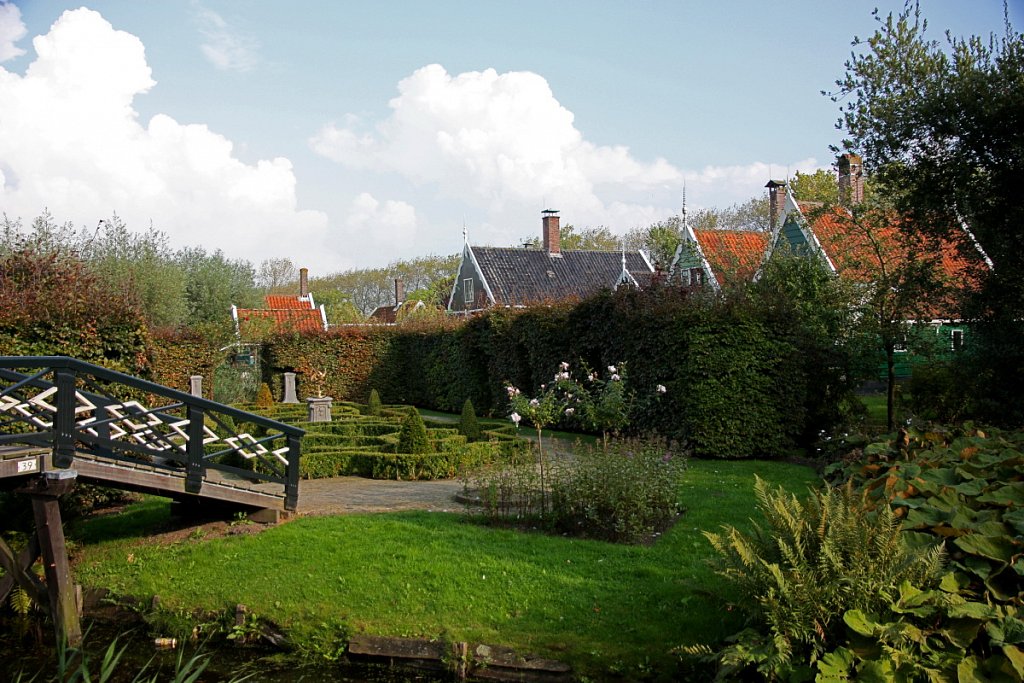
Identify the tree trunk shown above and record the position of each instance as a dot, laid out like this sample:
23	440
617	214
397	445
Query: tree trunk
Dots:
890	392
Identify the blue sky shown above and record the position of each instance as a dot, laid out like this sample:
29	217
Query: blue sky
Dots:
344	134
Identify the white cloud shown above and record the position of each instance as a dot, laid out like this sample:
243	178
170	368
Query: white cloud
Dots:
726	185
71	141
12	29
392	223
503	143
490	139
225	48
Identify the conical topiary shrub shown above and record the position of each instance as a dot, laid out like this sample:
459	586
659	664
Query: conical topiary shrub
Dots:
264	399
468	426
413	437
373	406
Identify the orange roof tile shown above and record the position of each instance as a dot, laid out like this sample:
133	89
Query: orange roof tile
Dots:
734	255
855	253
284	319
288	301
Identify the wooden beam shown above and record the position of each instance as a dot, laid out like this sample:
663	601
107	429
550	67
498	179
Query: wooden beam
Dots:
18	571
46	509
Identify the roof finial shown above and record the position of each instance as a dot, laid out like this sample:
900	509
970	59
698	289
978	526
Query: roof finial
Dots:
465	233
684	204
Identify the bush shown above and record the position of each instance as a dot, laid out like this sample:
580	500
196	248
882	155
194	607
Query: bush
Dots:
468	425
413	436
625	493
264	399
814	563
373	405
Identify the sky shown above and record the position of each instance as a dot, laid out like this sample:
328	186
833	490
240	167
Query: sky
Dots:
351	134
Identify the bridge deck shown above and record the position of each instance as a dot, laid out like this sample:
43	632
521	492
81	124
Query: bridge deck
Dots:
18	462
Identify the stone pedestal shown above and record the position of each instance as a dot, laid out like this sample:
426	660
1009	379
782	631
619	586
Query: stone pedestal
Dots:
319	408
289	388
196	385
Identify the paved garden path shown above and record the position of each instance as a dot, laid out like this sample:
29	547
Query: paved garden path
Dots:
340	495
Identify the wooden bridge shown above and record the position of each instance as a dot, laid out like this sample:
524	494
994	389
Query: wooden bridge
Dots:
63	420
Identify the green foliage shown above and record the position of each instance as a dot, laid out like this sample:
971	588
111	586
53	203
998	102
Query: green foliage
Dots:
50	304
963	486
468	425
373	404
177	354
625	493
816	560
264	399
929	117
413	436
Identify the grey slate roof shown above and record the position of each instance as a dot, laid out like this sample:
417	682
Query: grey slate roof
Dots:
525	276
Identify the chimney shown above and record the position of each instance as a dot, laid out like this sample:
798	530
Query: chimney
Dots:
399	291
304	282
851	180
776	200
552	238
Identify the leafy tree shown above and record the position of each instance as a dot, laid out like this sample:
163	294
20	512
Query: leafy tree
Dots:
213	282
413	436
659	240
820	186
752	214
276	275
941	127
143	262
51	304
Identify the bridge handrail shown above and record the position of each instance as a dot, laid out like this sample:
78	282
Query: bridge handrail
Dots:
61	434
68	363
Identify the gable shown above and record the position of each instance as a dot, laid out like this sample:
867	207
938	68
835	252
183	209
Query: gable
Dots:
733	255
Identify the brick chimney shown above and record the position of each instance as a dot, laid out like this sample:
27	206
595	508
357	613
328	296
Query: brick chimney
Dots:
304	282
776	200
399	291
851	180
552	238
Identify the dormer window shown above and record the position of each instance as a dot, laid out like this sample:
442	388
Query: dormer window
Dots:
467	290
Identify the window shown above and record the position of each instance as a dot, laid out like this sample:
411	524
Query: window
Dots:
900	345
696	277
956	339
467	290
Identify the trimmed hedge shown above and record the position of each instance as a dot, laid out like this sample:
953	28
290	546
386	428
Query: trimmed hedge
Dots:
755	374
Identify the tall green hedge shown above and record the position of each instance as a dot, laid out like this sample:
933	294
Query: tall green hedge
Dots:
745	375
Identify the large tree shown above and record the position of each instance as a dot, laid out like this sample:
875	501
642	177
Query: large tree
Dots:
941	127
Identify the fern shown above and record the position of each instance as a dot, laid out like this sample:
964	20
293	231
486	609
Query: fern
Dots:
811	562
21	602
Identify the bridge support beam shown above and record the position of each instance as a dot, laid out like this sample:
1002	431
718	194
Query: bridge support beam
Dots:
60	591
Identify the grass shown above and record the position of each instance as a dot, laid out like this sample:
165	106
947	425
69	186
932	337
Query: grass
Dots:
598	606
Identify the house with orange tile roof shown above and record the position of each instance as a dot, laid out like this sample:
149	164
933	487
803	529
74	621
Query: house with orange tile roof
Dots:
284	312
716	258
850	250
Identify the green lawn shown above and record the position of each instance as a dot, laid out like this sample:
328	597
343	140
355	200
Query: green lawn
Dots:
599	606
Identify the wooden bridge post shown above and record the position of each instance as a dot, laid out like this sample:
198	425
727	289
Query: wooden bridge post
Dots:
64	421
196	465
61	591
291	485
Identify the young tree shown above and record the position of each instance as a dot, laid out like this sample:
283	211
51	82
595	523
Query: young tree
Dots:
820	186
941	126
897	278
277	274
143	262
659	240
